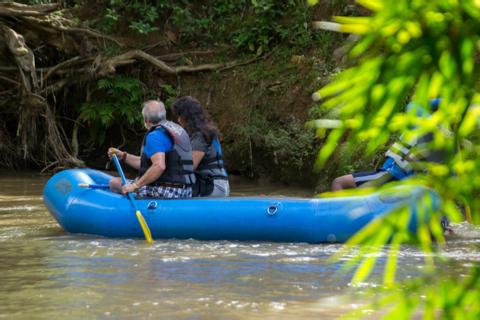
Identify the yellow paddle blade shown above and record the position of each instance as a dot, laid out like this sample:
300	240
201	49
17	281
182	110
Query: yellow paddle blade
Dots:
143	224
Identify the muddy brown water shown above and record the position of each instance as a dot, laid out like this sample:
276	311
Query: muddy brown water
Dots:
46	273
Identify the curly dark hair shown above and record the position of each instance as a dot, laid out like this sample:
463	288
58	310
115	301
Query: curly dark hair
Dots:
196	119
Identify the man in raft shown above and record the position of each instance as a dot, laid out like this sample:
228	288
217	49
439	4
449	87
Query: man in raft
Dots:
165	163
399	159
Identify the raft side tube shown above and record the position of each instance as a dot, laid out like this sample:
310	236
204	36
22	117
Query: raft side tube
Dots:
284	219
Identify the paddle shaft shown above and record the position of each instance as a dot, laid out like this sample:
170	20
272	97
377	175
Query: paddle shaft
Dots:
124	180
93	186
141	220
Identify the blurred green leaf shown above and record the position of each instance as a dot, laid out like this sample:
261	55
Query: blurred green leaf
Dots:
414	51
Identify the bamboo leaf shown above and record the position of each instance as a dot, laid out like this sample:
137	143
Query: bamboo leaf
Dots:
373	5
467	54
328	148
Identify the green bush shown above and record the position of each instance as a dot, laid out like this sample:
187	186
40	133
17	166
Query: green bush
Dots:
116	101
292	148
141	16
283	151
252	25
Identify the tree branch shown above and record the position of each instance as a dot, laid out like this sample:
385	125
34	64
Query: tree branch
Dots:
14	9
61	65
109	66
9	80
91	32
8	69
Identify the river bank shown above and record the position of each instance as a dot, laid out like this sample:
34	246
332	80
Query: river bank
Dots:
255	76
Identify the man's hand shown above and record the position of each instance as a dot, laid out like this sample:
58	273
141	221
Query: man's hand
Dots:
130	159
114	151
131	187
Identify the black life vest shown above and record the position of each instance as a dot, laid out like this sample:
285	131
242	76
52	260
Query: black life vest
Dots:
178	161
209	169
212	163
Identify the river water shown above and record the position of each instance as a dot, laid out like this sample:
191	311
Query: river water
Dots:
46	273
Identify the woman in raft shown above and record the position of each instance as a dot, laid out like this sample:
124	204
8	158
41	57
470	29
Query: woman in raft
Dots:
211	176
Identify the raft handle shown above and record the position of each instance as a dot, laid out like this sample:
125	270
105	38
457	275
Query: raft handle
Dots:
272	210
152	205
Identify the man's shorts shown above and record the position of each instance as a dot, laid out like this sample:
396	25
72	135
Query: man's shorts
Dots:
389	171
163	192
374	178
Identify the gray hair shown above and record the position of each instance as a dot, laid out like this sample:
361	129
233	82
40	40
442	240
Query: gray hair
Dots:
154	111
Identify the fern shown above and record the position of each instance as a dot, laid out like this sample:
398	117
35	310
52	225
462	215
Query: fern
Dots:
116	100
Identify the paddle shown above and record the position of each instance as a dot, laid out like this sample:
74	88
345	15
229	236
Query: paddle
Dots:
141	220
93	186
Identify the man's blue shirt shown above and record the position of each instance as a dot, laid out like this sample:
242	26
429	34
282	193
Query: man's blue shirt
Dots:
157	141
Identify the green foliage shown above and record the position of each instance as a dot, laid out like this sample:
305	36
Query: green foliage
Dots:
291	146
253	25
191	24
287	149
111	51
110	20
414	50
141	15
117	100
268	22
148	16
169	94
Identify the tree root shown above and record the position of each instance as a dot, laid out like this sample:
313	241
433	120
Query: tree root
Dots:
8	152
9	80
14	9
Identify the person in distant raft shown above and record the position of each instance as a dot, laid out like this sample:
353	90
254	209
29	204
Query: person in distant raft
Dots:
165	163
398	159
211	176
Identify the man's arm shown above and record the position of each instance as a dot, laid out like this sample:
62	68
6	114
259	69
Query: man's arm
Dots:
133	161
152	174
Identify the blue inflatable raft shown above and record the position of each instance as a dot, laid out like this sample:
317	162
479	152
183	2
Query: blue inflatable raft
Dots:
101	212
